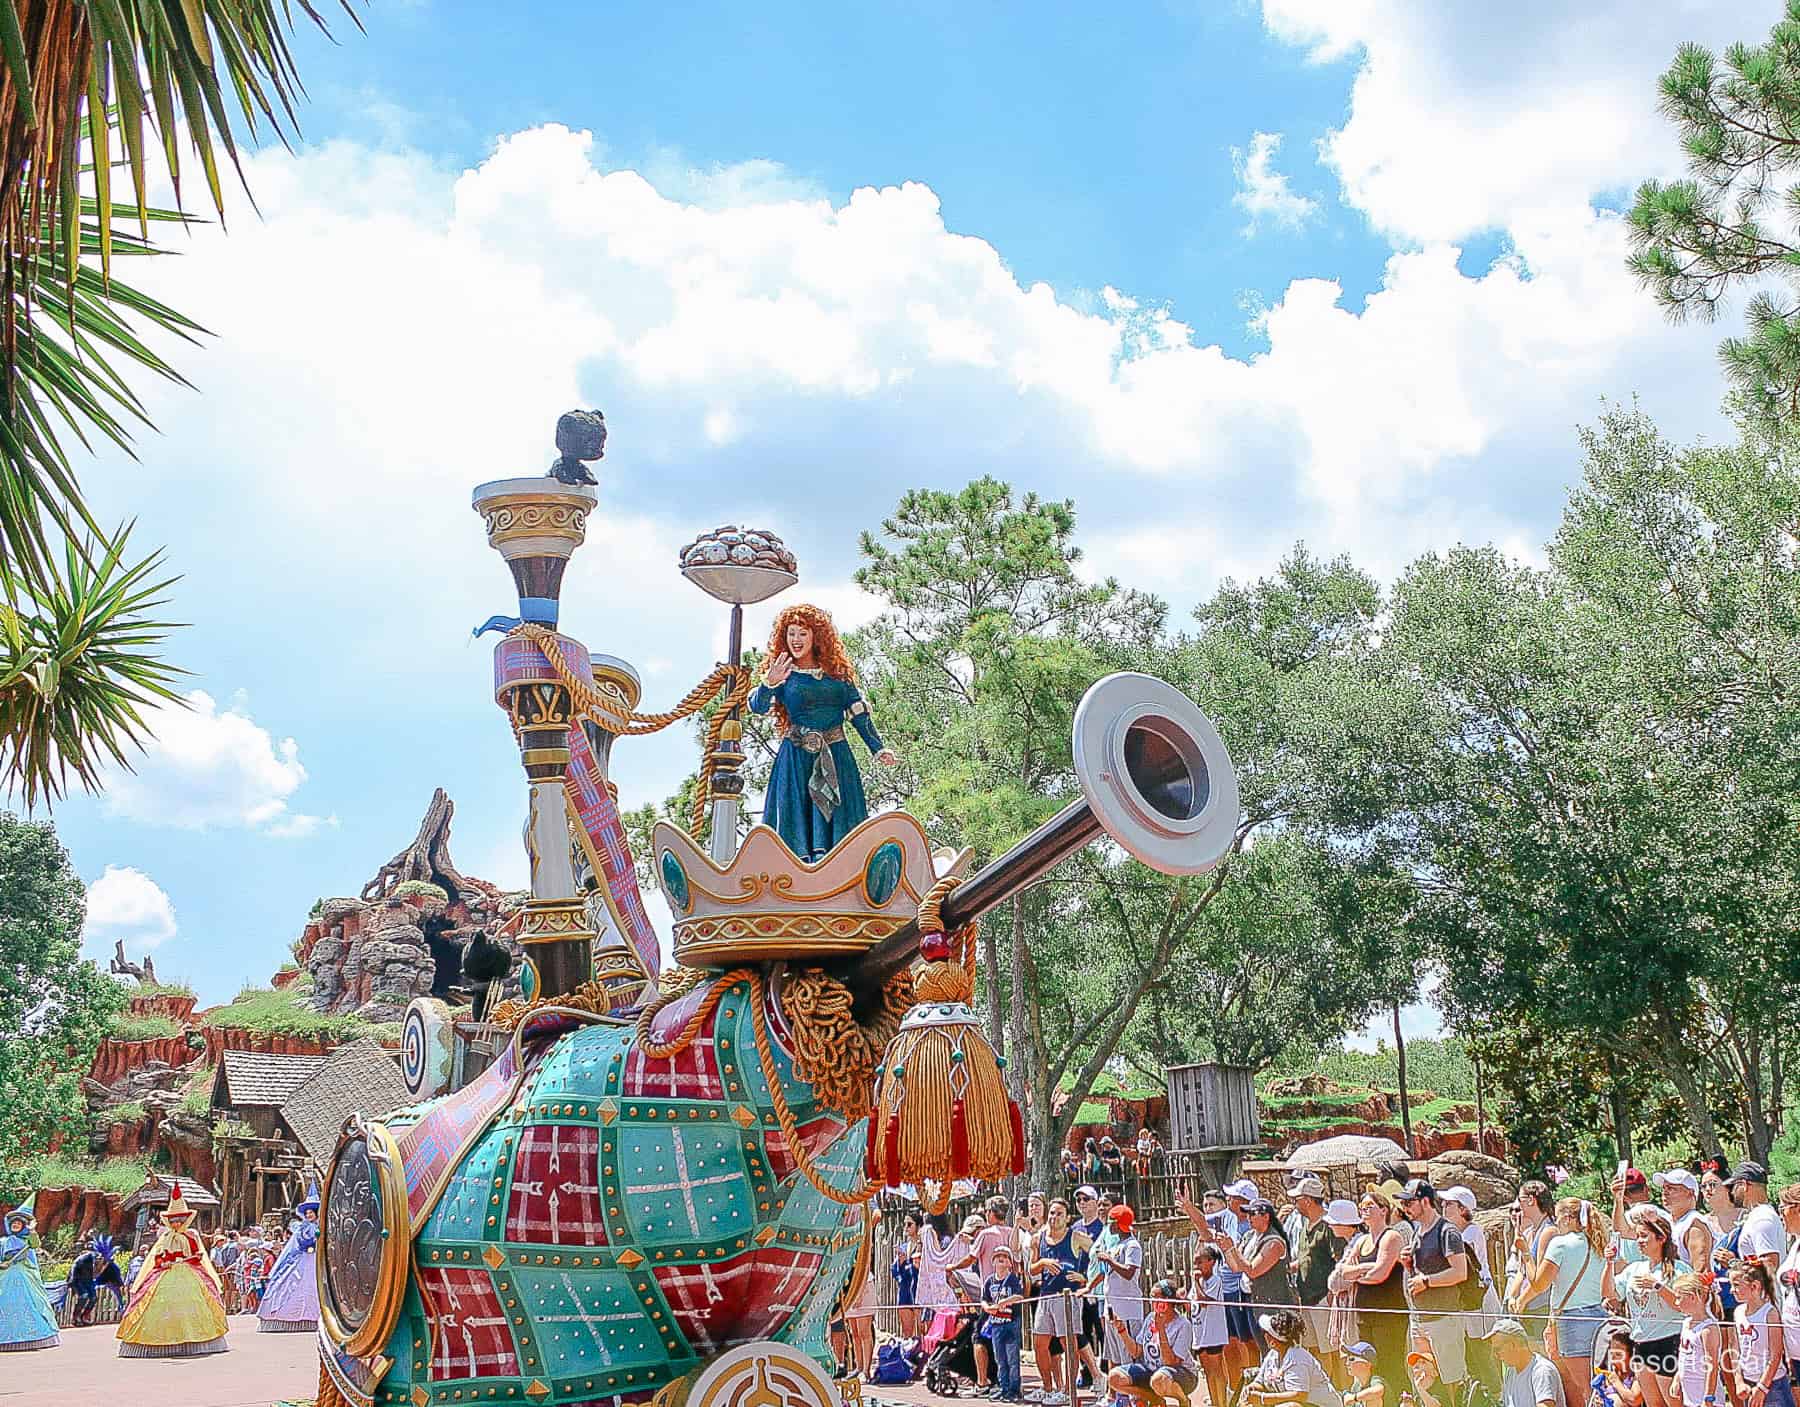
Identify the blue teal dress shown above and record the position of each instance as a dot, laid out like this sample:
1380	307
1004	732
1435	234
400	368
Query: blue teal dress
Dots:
26	1319
810	806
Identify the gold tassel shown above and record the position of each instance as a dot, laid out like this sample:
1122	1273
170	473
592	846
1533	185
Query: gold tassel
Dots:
941	1108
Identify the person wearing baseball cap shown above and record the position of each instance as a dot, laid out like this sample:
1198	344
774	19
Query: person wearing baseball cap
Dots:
1090	1221
1315	1256
1693	1236
1224	1229
1438	1265
1121	1257
1630	1189
1529	1379
1366	1389
1761	1236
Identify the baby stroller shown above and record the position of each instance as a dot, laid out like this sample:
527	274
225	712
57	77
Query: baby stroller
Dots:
952	1362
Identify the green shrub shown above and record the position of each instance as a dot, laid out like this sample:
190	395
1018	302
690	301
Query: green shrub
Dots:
119	1175
283	1013
177	988
197	1097
131	1112
126	1027
421	887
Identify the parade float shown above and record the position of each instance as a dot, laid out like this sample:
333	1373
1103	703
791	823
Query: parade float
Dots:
632	1184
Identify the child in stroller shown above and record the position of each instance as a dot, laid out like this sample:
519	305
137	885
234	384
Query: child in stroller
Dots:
949	1342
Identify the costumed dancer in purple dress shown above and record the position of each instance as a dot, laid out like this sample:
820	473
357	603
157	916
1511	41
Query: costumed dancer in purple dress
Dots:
815	796
290	1305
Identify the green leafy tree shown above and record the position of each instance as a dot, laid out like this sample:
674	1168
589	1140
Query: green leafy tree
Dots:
1592	779
1272	956
92	89
1735	221
54	1005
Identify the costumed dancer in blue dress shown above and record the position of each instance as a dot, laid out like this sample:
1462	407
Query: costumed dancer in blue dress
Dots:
26	1319
290	1305
815	795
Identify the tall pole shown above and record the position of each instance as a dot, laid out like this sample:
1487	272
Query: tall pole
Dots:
1405	1103
727	778
1480	1104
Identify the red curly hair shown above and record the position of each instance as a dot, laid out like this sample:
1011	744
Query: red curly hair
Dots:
828	649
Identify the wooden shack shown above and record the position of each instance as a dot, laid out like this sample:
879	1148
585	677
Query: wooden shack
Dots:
359	1078
1212	1118
260	1162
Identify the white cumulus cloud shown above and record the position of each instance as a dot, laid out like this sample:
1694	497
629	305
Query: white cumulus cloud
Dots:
794	362
1465	115
125	903
210	767
1263	192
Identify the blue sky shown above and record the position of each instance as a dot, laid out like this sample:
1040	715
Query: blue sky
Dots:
1228	275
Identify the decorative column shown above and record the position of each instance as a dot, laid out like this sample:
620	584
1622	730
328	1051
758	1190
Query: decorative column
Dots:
536	524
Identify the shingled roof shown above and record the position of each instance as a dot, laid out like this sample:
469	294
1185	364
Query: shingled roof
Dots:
250	1078
155	1190
359	1078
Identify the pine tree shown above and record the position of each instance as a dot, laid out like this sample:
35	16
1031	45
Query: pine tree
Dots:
1736	220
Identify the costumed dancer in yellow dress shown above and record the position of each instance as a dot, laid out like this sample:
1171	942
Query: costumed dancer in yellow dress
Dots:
176	1309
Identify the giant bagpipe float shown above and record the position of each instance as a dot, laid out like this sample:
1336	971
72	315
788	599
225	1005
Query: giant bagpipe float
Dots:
632	1184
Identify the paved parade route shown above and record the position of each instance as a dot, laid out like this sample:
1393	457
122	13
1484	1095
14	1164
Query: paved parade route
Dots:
85	1370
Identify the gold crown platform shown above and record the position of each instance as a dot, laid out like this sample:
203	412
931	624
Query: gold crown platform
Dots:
768	904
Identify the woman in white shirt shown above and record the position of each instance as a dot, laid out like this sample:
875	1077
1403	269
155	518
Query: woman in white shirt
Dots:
1642	1288
1210	1331
1289	1374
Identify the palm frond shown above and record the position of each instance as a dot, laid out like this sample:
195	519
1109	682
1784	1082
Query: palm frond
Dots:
77	668
80	80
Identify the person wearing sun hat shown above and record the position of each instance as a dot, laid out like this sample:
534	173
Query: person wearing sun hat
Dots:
176	1308
290	1303
26	1319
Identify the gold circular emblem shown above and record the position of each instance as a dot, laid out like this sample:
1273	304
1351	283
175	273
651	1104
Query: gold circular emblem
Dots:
763	1374
365	1238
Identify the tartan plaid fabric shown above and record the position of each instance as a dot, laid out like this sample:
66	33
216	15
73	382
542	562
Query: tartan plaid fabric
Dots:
778	1281
764	1288
473	1340
598	815
688	1074
517	659
556	1187
816	1135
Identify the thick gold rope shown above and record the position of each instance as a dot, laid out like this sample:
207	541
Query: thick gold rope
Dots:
683	1038
784	1114
844	1074
590	703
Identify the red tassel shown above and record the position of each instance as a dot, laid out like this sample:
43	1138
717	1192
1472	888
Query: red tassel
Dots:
1018	1133
891	1153
870	1167
959	1141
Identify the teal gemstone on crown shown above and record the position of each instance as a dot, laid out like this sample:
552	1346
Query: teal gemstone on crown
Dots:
675	879
881	876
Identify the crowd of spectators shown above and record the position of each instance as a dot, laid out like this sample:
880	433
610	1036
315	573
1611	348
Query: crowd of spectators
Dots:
1684	1293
